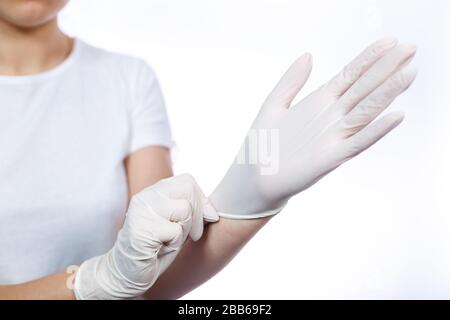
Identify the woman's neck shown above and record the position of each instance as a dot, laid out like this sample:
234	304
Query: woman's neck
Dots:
32	50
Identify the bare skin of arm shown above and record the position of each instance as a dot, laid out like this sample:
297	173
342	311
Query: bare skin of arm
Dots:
146	167
53	287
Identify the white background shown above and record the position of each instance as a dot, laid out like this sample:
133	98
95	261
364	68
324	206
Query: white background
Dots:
379	227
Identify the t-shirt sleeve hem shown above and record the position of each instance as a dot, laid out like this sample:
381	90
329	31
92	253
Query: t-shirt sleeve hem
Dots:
139	145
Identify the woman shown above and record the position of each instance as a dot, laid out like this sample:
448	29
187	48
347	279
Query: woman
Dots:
83	130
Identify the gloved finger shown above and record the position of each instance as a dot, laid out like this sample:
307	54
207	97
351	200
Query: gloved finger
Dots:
375	77
166	259
203	212
320	100
174	198
185	187
373	105
178	210
371	134
339	84
291	83
167	231
179	187
173	244
170	249
168	252
196	230
210	213
152	199
198	213
202	209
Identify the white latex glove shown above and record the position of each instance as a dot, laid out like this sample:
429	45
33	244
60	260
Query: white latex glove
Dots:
159	220
310	139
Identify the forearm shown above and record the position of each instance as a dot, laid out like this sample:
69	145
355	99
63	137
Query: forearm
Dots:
200	261
205	258
53	287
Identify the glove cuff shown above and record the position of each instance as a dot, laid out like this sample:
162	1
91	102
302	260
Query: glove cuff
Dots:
86	286
252	216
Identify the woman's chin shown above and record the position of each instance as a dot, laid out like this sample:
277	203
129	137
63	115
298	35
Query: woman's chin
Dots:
30	13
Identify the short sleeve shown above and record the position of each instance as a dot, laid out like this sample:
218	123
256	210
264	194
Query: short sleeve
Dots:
149	123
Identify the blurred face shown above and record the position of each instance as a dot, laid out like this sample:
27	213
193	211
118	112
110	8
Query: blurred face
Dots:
29	13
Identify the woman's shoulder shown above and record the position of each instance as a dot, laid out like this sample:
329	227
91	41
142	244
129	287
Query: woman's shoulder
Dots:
101	57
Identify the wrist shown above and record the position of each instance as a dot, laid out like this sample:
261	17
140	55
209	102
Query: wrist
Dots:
239	196
87	285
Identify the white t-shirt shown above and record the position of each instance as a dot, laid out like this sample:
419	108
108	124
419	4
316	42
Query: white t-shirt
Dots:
63	137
